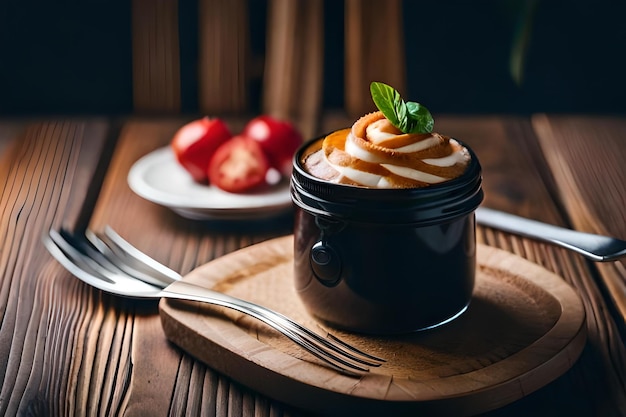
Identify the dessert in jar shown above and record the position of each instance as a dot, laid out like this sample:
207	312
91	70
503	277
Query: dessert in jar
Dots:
384	231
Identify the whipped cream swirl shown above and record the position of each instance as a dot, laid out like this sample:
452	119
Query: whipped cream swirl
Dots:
375	154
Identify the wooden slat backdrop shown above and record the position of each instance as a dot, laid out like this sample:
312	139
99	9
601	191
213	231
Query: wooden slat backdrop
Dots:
292	81
223	56
374	51
66	349
156	56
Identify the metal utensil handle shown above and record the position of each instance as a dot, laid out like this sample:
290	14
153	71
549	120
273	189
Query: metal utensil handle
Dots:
587	244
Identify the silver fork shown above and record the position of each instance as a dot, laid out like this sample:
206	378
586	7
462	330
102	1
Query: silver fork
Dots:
111	264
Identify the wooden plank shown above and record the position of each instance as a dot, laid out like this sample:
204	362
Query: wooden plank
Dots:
66	349
517	179
46	314
156	56
292	83
586	156
174	381
374	51
223	56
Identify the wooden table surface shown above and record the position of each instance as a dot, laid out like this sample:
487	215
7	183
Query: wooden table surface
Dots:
67	349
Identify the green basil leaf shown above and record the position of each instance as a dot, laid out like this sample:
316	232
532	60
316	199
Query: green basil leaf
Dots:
385	98
409	117
401	111
422	120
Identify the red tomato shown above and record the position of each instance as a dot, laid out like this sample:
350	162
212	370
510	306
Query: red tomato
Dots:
238	165
279	140
195	143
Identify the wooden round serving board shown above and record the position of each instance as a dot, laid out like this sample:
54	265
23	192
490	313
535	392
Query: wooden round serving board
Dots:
524	328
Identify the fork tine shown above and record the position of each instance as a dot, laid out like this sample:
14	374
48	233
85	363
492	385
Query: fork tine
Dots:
68	256
90	271
339	346
105	265
139	258
118	258
378	360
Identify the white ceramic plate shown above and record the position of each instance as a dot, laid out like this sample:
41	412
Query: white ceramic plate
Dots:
159	178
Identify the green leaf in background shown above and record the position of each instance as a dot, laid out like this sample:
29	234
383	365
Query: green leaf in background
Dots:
409	117
520	15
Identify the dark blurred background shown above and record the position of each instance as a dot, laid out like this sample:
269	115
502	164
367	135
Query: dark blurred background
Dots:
76	56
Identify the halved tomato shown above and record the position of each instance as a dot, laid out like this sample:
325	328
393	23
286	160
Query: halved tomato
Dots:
278	138
238	165
195	143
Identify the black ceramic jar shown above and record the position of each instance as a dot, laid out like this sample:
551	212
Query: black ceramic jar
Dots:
385	261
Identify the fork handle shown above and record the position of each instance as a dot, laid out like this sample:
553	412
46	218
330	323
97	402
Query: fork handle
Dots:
182	290
186	291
